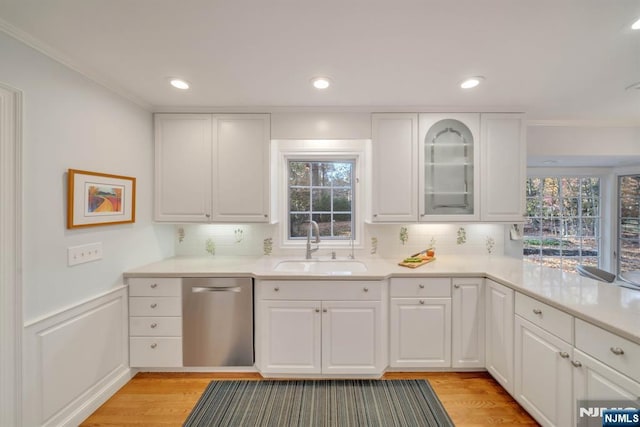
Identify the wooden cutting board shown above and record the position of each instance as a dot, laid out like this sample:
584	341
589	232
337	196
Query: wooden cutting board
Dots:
416	264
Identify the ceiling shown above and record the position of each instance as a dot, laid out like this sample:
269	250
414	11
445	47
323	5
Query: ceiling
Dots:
554	59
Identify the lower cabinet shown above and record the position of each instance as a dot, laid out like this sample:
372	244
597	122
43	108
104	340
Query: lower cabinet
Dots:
341	334
467	322
499	309
543	383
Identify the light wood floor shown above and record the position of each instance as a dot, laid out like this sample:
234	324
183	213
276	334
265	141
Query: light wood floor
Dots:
166	399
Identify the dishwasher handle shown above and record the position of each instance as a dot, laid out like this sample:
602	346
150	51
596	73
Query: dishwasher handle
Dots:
202	289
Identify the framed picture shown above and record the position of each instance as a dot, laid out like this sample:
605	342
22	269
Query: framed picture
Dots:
100	199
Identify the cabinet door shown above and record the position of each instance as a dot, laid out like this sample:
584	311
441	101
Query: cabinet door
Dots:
241	168
467	350
420	332
182	167
352	341
499	309
543	384
503	164
289	339
395	174
448	169
593	380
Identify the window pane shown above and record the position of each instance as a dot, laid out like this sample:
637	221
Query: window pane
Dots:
533	227
342	201
570	206
534	187
589	247
550	206
571	226
328	174
591	187
550	187
629	228
325	224
590	207
299	200
298	225
534	208
342	225
321	200
629	206
299	173
571	187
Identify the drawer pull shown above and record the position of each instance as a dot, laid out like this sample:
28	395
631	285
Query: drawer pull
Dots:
317	310
456	286
154	345
154	305
154	325
365	289
564	354
324	310
576	363
154	285
421	286
617	351
421	301
537	311
276	289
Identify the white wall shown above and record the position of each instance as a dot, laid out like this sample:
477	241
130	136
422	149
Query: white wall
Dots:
583	140
320	125
72	122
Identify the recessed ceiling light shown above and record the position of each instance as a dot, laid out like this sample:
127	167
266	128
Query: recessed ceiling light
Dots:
471	82
320	82
179	84
636	25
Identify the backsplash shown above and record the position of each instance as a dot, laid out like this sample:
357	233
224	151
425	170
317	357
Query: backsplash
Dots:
380	240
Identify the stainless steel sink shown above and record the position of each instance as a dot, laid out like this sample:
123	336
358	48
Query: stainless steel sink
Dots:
330	267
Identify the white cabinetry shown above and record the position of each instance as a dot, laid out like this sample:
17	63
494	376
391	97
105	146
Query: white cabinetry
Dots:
543	369
155	322
468	322
503	166
499	308
395	176
328	328
212	167
420	323
448	167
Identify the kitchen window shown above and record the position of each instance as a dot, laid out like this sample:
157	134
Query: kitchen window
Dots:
322	181
321	191
628	223
562	228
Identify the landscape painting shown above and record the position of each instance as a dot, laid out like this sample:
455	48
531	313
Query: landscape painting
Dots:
99	199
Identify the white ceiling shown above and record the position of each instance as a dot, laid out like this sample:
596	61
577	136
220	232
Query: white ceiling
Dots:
554	59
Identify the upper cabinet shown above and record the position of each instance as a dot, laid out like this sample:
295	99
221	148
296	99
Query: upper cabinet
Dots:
395	174
449	168
504	167
212	168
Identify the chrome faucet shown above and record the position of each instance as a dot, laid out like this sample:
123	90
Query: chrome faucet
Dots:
312	225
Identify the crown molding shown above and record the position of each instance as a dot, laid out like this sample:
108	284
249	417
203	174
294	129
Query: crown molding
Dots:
57	56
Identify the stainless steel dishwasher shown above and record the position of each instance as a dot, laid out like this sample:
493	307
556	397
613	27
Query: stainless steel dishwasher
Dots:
217	321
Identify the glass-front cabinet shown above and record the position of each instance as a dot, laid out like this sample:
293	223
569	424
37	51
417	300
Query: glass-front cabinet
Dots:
448	170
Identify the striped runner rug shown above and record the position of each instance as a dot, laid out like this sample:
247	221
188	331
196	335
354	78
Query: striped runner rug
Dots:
343	403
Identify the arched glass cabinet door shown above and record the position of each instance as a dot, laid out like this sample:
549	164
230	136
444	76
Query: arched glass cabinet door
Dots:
448	169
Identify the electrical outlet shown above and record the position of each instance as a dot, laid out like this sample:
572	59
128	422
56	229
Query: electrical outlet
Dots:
84	253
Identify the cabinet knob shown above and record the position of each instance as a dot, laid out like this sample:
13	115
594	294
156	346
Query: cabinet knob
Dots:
317	310
154	325
421	301
375	215
456	286
564	354
324	310
365	289
421	286
576	363
154	285
154	345
207	215
617	351
537	311
276	289
154	305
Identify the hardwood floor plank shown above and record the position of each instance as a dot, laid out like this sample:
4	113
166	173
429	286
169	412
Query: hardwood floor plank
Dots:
472	399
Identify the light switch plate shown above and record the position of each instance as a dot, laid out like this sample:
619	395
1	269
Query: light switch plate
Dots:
84	253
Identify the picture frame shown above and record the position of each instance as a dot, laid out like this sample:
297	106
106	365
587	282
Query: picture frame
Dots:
95	198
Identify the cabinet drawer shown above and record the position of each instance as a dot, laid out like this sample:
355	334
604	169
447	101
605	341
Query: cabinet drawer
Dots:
159	287
543	315
155	326
155	352
320	290
617	352
155	306
416	287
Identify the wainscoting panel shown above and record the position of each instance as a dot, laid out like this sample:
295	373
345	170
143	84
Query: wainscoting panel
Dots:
75	360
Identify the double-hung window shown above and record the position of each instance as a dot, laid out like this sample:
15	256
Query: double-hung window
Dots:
628	223
562	228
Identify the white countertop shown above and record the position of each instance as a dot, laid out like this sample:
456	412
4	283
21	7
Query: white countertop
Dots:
611	307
